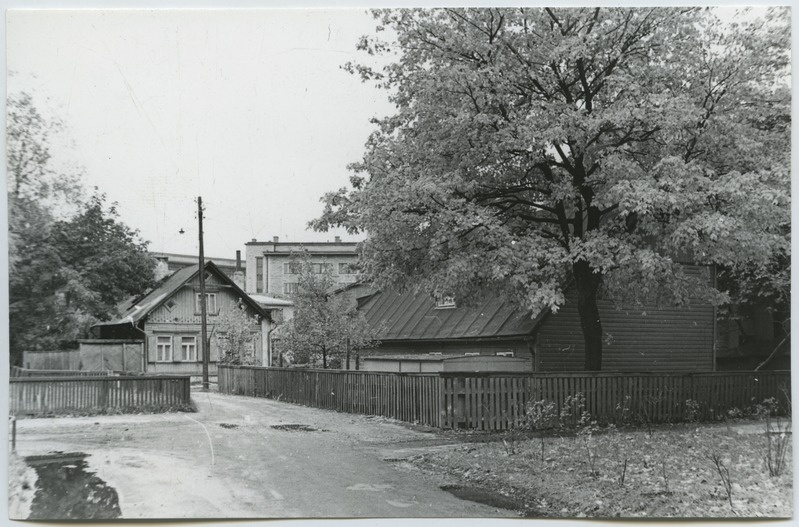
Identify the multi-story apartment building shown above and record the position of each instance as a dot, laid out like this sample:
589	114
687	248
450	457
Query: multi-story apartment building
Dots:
270	272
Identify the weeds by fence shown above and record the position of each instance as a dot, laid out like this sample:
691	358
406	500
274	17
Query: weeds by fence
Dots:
499	401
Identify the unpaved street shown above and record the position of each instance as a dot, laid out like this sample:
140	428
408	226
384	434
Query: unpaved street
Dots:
229	461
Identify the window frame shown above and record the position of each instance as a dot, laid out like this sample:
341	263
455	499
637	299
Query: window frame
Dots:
259	274
445	302
346	268
208	310
159	346
290	285
182	345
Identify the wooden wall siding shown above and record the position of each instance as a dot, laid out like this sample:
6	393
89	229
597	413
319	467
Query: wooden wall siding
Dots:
648	338
497	401
181	368
56	395
51	360
183	312
451	349
413	398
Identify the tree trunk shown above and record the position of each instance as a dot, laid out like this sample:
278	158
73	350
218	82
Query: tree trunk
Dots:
587	283
324	357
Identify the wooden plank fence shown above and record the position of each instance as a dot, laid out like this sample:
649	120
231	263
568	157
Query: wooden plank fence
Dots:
497	401
92	394
16	371
407	397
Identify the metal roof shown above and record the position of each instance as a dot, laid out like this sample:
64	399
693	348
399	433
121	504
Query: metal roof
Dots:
136	308
414	316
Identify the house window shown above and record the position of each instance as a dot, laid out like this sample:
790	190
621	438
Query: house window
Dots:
289	288
346	268
504	354
164	347
319	268
188	349
445	302
210	304
259	275
292	268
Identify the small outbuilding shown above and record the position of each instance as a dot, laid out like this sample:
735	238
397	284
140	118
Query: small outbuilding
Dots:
636	338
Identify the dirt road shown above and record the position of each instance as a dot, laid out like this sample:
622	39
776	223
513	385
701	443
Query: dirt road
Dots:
241	457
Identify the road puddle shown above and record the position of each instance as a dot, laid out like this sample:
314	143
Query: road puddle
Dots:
66	490
296	428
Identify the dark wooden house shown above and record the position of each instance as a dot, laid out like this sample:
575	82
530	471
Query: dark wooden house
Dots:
640	338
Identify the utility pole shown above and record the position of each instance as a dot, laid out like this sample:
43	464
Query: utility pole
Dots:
203	299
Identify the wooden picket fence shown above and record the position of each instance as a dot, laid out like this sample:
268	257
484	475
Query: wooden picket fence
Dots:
93	394
498	401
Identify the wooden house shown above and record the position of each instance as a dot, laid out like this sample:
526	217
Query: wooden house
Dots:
166	321
640	338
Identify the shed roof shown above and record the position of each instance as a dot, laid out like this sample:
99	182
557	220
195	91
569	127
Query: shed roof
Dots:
414	316
136	308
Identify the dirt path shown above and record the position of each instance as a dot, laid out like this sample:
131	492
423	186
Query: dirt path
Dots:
241	457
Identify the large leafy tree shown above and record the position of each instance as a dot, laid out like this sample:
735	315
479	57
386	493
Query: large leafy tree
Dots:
71	261
324	325
538	149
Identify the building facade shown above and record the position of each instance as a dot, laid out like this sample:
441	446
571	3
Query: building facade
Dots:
166	323
270	272
168	263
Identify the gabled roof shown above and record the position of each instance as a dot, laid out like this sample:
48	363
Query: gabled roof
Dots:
414	316
136	308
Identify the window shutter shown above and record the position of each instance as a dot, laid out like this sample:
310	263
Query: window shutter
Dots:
213	350
152	349
256	340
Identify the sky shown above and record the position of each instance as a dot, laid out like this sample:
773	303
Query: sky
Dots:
249	109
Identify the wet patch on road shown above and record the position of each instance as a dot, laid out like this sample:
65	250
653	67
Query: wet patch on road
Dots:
296	428
65	490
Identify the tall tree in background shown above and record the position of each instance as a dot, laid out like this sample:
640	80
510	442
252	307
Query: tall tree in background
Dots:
70	261
324	325
533	149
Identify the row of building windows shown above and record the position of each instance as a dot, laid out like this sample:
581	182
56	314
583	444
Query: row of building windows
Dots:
186	348
180	348
319	268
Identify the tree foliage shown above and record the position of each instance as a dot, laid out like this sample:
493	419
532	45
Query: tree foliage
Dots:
324	325
71	261
538	149
236	333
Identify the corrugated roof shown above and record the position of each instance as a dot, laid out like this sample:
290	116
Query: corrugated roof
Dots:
414	316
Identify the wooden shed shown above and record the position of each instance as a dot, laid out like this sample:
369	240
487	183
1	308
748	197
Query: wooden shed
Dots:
636	338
